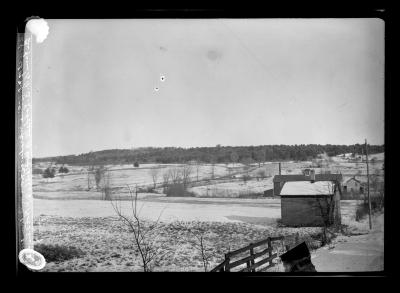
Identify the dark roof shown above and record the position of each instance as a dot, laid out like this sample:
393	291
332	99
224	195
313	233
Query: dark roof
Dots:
300	177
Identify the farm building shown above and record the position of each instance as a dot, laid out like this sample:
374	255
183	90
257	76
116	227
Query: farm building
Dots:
353	185
310	203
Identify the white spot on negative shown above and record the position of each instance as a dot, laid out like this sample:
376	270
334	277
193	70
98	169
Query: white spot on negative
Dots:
39	28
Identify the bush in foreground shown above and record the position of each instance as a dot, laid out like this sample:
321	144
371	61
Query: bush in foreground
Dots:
53	253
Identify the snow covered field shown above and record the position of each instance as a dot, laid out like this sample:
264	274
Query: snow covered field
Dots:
261	211
231	224
67	213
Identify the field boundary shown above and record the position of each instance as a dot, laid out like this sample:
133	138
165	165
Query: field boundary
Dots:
250	261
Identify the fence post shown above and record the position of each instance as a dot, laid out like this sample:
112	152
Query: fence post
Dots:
248	265
252	259
227	269
270	250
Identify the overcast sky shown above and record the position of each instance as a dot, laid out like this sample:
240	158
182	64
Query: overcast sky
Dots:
228	82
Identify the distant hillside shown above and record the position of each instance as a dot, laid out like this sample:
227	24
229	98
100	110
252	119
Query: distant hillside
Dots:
218	154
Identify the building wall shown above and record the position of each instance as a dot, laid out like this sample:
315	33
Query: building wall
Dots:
352	187
353	184
277	188
302	211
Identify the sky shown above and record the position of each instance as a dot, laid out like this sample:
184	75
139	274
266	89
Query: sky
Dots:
97	83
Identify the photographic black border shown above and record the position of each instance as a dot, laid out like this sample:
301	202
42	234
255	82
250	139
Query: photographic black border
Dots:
119	12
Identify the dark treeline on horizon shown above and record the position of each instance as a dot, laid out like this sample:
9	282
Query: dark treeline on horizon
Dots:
217	154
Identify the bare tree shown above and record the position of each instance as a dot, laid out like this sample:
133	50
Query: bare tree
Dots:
106	186
377	185
213	170
175	175
145	239
154	172
186	171
330	209
166	177
88	180
234	158
98	176
260	155
198	166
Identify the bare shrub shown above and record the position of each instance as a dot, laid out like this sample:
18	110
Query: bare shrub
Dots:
186	171
234	158
178	179
49	172
175	175
53	253
144	235
329	213
166	178
362	209
106	188
198	238
98	176
198	166
246	177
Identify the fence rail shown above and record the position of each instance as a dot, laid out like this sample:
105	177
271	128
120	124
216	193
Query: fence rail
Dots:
250	261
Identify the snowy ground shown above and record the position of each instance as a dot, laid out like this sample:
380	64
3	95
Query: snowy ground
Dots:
230	224
78	185
263	211
358	253
66	213
234	188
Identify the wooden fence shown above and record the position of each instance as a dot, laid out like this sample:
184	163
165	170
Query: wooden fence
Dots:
251	265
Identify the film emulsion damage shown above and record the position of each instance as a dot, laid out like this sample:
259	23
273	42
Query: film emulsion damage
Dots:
39	29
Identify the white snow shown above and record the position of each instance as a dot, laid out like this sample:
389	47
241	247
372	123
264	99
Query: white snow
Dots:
307	188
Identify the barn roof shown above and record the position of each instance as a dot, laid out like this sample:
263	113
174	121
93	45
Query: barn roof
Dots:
307	188
301	177
352	178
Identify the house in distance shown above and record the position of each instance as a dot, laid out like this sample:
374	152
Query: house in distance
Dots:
353	186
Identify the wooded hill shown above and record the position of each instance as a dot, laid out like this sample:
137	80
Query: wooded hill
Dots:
217	154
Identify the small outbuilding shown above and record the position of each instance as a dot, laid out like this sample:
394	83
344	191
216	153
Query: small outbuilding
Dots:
310	203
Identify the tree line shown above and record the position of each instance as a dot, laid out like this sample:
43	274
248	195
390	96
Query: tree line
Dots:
217	154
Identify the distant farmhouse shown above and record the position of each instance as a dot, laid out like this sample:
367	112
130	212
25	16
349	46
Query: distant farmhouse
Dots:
309	199
353	185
